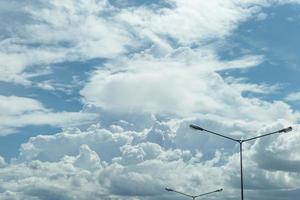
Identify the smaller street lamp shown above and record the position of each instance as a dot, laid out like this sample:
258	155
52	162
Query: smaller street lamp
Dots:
193	196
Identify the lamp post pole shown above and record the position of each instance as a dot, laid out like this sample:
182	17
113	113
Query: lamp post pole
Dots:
192	196
285	130
241	165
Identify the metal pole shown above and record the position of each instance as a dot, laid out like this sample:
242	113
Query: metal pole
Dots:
241	161
285	130
193	197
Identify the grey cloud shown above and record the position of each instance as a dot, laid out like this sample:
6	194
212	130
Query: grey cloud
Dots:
279	152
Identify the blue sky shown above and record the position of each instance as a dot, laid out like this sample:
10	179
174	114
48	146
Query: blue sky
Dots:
276	37
96	97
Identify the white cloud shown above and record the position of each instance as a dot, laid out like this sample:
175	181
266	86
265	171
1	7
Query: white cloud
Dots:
17	60
282	153
181	80
81	24
293	97
261	16
167	86
38	180
87	29
161	85
186	21
13	105
87	159
49	148
19	112
2	162
80	30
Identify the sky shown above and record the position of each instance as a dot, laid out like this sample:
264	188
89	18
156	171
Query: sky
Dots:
96	98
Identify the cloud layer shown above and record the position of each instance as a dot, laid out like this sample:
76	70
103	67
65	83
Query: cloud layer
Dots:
160	72
99	163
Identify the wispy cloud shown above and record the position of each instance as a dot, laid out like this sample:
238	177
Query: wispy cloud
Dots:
293	97
19	112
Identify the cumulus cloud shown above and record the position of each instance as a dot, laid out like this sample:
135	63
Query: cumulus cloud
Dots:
282	152
97	163
38	180
164	86
269	164
91	170
167	87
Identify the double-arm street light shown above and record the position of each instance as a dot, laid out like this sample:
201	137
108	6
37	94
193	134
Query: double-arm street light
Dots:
241	141
195	196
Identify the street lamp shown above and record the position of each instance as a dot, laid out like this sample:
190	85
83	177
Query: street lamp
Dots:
195	196
241	141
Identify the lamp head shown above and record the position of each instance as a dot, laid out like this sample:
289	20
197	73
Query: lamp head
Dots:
219	190
285	130
169	189
193	126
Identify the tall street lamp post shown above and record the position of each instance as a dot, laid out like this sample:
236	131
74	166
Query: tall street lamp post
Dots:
191	196
240	141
